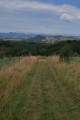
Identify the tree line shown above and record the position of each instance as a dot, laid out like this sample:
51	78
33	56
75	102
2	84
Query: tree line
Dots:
19	48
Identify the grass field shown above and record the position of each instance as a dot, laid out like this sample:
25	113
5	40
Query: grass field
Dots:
40	88
8	62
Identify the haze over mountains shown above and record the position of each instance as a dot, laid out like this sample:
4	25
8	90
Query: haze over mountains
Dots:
42	38
16	35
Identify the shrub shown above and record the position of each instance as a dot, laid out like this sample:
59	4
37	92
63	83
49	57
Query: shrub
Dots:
65	53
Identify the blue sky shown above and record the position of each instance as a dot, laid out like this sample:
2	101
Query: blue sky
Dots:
40	16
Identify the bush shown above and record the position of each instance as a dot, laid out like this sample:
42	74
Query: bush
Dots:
65	53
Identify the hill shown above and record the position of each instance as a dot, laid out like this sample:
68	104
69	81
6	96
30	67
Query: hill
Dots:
42	38
37	38
50	39
16	35
18	48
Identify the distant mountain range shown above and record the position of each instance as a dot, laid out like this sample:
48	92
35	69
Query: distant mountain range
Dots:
50	39
43	38
17	35
27	35
21	35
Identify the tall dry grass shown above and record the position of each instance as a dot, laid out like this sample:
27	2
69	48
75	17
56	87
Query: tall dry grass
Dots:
69	73
13	77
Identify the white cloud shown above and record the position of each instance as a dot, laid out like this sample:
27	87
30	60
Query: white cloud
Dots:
67	12
66	18
21	4
78	17
42	27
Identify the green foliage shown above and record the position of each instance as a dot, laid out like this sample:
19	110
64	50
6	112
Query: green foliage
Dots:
76	55
18	48
12	51
75	60
65	53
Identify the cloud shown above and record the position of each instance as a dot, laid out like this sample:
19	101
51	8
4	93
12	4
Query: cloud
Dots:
66	18
66	12
78	17
42	27
34	5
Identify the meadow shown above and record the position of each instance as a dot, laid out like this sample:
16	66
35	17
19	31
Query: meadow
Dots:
40	88
8	62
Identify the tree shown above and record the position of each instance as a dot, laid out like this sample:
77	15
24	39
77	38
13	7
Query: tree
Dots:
65	53
12	51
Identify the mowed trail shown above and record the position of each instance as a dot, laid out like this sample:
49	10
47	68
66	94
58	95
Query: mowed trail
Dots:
42	97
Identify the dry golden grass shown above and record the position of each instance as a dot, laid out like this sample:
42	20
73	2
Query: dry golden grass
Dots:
69	73
13	77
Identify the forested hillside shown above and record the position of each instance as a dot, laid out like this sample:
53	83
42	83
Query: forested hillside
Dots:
18	48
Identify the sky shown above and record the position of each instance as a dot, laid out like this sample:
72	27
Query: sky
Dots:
40	16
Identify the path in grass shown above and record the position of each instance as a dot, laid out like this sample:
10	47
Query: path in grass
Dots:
42	97
57	102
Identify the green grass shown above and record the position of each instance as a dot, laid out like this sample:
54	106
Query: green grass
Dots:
15	107
55	105
75	60
8	62
43	96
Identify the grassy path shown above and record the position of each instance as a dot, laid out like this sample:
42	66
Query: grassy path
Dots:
57	104
42	97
